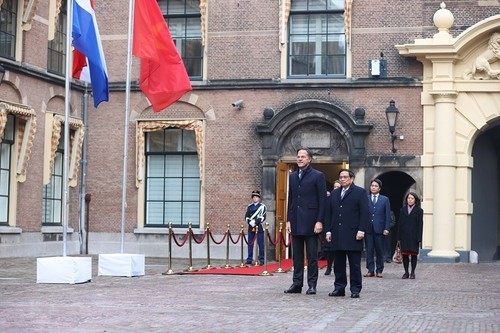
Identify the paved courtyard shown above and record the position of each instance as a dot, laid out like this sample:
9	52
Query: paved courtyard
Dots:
443	298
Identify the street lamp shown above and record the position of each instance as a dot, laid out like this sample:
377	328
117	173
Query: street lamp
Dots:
392	117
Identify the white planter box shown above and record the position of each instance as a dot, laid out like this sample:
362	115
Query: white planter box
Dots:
121	264
64	270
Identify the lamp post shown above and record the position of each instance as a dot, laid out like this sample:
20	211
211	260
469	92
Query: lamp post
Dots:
392	117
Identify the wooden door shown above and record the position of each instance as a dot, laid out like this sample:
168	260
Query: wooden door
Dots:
281	199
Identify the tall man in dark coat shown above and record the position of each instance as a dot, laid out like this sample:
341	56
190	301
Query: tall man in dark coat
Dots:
349	214
306	211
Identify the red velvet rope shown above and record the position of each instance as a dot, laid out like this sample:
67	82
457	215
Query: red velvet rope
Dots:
237	239
201	239
222	240
283	240
183	242
246	240
271	241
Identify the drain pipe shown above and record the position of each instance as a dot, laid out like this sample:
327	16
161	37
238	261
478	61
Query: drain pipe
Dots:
83	190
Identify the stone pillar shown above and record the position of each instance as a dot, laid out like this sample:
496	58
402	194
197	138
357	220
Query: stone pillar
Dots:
444	166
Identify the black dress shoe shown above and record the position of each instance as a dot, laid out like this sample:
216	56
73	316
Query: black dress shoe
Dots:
354	295
293	290
336	293
311	291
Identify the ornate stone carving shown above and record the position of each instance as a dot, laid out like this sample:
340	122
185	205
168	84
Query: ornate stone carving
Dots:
481	68
323	140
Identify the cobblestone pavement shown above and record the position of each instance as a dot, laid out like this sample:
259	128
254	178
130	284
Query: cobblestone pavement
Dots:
443	298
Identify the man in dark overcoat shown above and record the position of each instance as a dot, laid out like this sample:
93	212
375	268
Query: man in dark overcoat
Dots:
306	211
349	220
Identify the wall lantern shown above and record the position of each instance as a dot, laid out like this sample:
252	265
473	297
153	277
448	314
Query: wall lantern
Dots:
392	117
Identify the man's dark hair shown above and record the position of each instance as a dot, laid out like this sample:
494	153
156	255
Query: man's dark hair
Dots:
308	151
351	174
378	181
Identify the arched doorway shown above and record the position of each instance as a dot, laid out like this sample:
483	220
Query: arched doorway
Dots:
485	222
395	186
329	131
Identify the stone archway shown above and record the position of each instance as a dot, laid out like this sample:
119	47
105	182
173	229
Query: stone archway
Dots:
459	104
485	223
325	128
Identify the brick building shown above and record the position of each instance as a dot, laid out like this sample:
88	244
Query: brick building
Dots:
268	77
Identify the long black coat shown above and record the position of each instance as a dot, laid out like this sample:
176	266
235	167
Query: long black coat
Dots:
348	216
410	228
306	201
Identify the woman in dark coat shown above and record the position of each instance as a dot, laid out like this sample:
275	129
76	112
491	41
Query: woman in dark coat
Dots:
411	221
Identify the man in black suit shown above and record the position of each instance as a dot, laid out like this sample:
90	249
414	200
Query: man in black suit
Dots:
306	211
349	220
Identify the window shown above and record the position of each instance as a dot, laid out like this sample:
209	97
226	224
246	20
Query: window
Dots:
5	169
317	42
172	179
56	62
184	22
53	191
8	26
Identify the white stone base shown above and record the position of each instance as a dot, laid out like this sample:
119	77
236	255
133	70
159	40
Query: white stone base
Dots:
121	264
64	270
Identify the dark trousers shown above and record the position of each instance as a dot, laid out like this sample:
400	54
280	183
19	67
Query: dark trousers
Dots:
388	247
311	244
374	243
260	241
339	268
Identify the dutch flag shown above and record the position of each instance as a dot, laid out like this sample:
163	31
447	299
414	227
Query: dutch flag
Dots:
86	39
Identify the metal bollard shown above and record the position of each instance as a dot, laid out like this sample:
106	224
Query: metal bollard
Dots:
266	235
208	266
227	248
280	270
242	234
169	271
190	233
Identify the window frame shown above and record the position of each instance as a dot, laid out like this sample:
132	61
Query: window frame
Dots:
164	201
56	48
58	164
330	15
14	14
186	16
10	127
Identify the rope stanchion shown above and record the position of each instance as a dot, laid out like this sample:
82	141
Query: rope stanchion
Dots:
169	271
280	235
255	248
190	233
242	235
227	248
265	272
208	266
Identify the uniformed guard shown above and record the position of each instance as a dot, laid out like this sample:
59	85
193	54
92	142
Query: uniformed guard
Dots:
255	217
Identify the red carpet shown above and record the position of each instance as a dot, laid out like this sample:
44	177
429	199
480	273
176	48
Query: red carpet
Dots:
251	270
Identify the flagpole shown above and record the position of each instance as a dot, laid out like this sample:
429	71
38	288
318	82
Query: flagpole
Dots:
66	127
127	108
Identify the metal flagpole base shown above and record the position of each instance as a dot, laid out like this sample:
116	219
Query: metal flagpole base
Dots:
265	273
169	272
209	267
190	269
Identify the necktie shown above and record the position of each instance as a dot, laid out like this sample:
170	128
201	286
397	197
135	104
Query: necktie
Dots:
342	193
300	174
374	199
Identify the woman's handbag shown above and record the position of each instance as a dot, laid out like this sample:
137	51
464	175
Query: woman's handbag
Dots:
397	257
